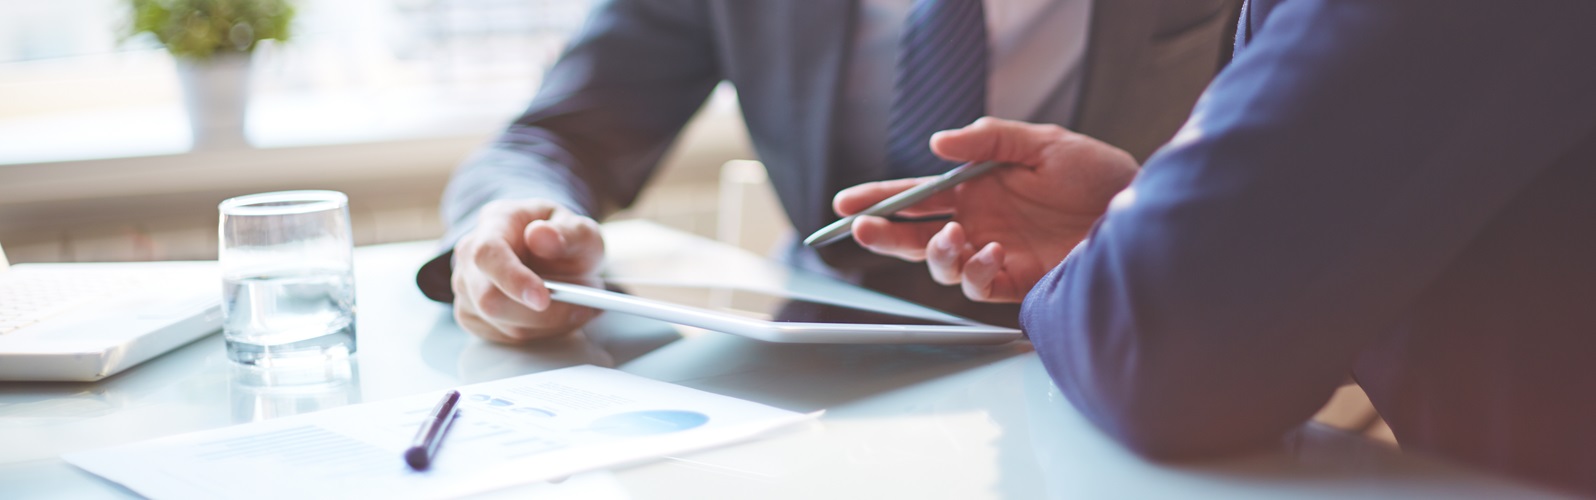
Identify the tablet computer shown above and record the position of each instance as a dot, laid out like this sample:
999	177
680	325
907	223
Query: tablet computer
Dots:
777	317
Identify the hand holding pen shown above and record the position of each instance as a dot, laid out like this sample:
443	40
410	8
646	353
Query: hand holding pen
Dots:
1010	225
843	228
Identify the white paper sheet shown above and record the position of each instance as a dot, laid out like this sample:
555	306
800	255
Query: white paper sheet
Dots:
518	430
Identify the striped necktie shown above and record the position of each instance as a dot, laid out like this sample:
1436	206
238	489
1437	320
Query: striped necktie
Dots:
940	84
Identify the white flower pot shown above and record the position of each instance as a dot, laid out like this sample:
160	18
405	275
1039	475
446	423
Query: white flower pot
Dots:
216	93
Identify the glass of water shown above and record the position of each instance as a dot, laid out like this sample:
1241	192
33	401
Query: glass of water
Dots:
288	286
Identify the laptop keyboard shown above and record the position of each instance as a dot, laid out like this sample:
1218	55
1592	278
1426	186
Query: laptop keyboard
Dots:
30	296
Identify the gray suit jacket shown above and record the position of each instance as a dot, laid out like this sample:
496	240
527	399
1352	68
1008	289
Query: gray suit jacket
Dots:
639	69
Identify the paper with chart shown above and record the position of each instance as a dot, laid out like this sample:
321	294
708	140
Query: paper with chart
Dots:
518	430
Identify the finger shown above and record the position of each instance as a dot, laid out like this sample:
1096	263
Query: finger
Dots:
468	319
981	271
946	253
993	139
508	220
495	316
497	334
504	269
857	198
483	302
567	244
560	319
904	240
518	321
545	240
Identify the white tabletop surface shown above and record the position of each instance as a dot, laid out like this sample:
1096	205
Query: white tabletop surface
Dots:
900	422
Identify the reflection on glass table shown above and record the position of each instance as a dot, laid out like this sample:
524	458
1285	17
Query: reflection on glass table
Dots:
259	393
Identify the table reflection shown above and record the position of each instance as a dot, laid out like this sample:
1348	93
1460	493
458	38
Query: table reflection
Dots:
260	393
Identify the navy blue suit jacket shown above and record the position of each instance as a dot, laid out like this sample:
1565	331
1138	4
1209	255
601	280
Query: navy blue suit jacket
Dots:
613	104
1400	189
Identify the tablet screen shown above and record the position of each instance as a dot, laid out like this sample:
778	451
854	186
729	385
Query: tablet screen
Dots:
765	306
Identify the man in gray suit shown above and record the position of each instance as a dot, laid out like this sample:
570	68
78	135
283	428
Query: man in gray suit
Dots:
834	93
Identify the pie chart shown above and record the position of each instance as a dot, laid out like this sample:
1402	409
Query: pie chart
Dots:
649	422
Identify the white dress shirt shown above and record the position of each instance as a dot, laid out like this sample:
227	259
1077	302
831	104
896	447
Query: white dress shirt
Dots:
1036	48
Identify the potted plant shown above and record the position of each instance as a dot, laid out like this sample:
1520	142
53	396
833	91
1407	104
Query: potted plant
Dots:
212	40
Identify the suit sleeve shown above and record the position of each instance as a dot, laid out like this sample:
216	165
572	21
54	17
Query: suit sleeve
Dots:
605	115
1330	173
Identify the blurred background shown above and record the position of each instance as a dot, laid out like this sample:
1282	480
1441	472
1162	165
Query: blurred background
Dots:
112	150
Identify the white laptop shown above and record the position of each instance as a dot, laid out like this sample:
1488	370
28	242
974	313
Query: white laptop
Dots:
88	321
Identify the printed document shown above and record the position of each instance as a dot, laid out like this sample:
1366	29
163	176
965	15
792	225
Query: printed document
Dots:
519	430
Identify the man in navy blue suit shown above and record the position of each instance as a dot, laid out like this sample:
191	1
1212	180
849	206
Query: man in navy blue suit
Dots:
1400	190
833	92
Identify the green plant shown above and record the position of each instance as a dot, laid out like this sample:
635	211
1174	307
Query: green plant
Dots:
198	29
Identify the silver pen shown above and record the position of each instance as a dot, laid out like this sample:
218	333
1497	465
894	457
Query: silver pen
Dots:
843	228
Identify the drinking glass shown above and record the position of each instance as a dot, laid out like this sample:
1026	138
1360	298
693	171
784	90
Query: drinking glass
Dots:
288	287
262	393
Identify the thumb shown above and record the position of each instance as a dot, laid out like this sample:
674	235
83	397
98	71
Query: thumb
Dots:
995	139
566	243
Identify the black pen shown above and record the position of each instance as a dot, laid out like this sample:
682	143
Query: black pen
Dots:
419	456
843	229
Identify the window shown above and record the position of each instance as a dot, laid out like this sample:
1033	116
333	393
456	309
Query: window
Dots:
354	71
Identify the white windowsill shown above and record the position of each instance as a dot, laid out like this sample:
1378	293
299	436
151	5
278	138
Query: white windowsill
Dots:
391	172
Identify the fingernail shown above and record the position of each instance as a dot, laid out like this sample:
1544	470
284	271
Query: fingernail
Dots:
533	300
